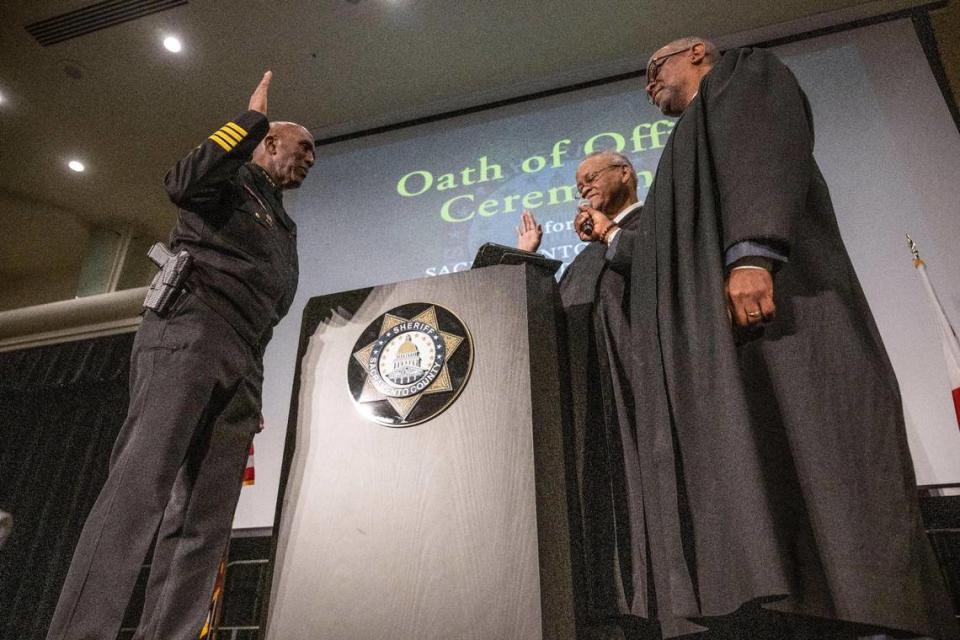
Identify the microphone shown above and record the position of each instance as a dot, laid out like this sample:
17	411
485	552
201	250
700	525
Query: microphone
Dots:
587	226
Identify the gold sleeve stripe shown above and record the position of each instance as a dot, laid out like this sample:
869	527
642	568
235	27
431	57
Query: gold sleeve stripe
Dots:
228	134
223	143
229	141
237	128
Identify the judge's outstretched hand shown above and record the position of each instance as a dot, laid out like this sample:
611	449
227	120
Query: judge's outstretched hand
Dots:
258	101
750	296
529	232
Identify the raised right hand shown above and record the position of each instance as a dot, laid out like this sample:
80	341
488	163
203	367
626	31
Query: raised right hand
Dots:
529	232
258	101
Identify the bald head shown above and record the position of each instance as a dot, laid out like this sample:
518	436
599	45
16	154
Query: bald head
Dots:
675	70
710	52
286	154
280	125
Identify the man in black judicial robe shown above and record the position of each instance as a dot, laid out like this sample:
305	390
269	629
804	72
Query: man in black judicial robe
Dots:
781	486
595	301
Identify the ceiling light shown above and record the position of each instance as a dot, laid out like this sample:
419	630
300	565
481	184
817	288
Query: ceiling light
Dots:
76	165
172	44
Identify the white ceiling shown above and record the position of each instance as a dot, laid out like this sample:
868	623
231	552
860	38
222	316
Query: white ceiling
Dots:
338	66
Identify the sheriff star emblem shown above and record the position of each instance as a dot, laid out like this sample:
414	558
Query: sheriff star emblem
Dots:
410	364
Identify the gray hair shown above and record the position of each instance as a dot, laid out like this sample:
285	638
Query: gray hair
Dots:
617	159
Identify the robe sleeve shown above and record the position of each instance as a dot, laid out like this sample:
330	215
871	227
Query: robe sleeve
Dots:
619	255
761	143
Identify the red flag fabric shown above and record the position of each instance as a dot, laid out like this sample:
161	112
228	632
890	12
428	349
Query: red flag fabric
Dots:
249	476
956	402
948	337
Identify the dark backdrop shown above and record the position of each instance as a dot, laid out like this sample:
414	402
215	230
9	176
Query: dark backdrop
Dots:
61	407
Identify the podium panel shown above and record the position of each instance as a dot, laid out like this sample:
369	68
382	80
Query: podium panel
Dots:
455	527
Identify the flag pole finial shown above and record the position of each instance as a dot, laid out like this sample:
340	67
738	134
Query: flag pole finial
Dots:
917	261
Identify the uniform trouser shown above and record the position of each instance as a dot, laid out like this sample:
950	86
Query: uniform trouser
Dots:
176	470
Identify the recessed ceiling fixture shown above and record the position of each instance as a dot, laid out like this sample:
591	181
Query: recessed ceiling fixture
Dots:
3	98
172	44
76	165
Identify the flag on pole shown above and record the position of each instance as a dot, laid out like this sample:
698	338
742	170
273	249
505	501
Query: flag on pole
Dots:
212	622
248	473
948	337
209	631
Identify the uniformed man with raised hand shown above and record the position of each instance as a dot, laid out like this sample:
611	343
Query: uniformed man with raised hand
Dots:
195	386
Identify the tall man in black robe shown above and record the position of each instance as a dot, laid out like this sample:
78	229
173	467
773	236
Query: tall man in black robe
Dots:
781	492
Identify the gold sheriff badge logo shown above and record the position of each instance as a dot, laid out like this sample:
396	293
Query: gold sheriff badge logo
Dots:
410	364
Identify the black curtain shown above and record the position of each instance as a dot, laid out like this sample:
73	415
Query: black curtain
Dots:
61	407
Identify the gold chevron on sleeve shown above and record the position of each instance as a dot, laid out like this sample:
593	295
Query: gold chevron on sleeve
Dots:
227	146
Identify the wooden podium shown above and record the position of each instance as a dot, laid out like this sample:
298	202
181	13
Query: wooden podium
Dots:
455	527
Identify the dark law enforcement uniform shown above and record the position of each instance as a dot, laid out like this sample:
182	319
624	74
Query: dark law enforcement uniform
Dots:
195	398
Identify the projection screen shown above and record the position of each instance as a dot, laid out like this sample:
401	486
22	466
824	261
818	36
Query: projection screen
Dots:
418	201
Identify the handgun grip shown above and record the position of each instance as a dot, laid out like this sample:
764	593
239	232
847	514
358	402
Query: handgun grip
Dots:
159	254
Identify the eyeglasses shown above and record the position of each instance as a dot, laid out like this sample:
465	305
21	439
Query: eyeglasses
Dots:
591	177
653	69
